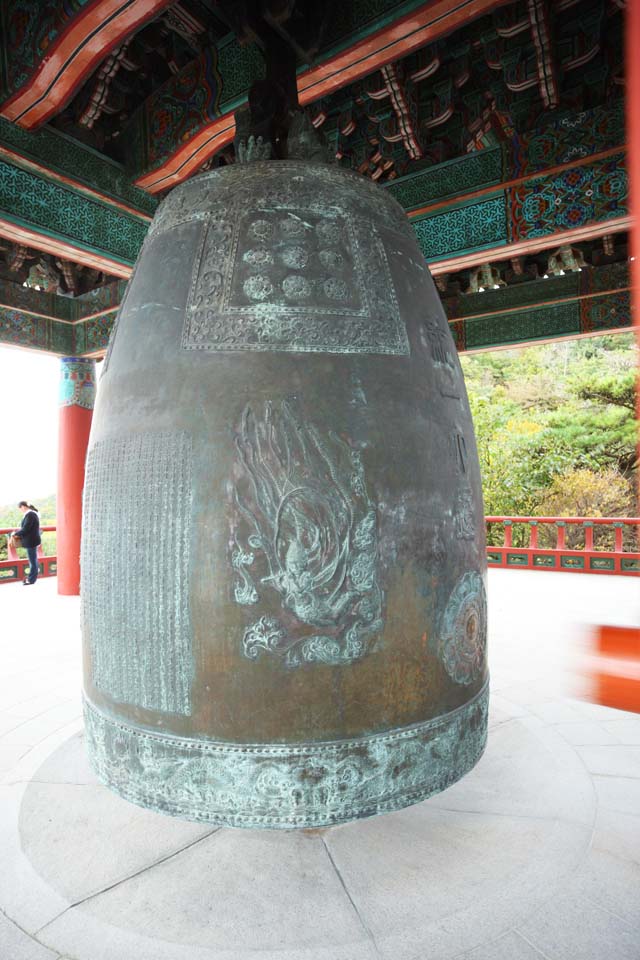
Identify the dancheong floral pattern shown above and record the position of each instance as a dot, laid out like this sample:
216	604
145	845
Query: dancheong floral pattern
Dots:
71	216
594	192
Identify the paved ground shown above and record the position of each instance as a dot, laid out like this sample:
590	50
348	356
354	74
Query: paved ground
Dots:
534	855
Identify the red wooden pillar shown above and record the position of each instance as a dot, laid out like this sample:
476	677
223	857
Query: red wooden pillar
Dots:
77	395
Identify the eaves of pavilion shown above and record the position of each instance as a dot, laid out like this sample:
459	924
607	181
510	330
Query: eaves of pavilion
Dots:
499	126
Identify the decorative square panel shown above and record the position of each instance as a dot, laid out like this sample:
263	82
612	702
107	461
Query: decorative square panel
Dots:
290	279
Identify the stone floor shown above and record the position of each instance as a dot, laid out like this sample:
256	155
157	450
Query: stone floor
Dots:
535	854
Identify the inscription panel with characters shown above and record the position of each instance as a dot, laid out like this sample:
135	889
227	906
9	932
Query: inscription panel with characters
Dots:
135	603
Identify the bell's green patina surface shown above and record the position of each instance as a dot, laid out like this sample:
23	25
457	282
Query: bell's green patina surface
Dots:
283	438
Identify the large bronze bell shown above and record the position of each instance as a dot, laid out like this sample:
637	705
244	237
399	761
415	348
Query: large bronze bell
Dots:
283	561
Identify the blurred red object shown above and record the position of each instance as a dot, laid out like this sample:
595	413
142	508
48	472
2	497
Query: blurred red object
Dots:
616	668
615	677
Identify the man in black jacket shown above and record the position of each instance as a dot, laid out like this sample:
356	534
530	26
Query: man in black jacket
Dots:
29	533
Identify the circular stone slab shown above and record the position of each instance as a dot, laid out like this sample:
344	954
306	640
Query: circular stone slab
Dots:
439	878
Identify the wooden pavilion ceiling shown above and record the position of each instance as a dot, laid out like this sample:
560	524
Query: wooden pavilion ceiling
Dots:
500	75
395	87
481	78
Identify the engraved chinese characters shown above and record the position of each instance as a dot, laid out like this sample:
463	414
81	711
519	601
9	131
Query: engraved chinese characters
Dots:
463	508
136	615
283	601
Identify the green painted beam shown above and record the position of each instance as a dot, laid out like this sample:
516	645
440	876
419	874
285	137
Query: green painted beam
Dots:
60	212
38	302
21	329
597	300
538	206
464	228
61	325
606	313
588	281
67	158
60	307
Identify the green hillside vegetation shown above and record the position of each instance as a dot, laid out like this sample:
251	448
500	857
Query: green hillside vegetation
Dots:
556	428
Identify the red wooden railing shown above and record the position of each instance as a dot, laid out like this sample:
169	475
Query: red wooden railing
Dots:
589	557
15	567
616	552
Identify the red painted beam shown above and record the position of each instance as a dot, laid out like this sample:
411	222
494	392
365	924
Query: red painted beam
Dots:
74	54
417	29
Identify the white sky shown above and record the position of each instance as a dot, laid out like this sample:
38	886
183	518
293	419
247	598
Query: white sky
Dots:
28	425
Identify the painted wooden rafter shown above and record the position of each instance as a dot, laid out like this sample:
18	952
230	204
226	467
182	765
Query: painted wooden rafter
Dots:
94	31
102	83
393	90
541	33
517	24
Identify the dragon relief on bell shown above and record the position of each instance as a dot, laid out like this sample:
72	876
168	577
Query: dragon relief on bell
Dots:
305	532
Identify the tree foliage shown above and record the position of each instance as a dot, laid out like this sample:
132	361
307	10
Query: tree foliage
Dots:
555	426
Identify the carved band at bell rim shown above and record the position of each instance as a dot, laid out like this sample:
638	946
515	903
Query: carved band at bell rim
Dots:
306	545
